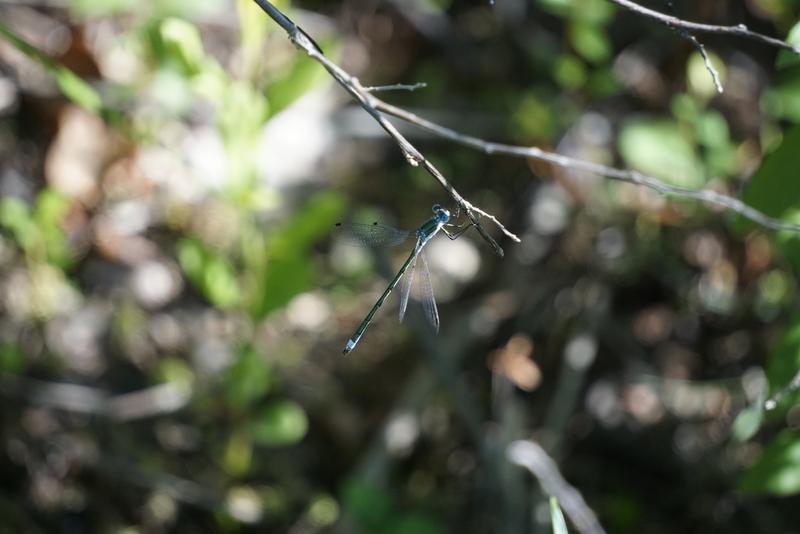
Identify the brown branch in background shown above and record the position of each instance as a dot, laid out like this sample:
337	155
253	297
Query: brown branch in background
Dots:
534	458
75	398
739	30
370	104
566	162
683	27
397	87
377	108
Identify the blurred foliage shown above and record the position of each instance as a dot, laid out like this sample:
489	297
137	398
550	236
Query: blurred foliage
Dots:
172	312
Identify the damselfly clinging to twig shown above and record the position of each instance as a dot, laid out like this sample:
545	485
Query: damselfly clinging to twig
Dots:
379	235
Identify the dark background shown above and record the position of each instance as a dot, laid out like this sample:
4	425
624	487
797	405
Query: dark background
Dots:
174	300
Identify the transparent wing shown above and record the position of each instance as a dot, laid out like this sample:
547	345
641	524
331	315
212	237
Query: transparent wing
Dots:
426	294
372	235
405	288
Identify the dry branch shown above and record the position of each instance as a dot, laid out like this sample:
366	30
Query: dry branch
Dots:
370	104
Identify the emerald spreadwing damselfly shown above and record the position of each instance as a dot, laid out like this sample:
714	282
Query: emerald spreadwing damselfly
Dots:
377	235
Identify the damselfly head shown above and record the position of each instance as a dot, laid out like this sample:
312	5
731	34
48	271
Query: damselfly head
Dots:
442	214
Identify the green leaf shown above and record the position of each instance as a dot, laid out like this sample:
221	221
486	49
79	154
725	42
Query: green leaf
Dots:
248	379
209	272
413	523
699	78
659	148
100	8
783	364
557	518
774	189
286	268
570	72
238	455
303	75
370	505
785	57
748	422
70	84
182	45
12	359
777	471
590	41
279	424
16	217
782	100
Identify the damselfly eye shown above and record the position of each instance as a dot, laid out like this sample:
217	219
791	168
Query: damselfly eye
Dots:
436	208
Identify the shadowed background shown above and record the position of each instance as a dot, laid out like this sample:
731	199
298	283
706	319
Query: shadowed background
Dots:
174	300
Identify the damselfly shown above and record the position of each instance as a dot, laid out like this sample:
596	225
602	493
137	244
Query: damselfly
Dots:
378	235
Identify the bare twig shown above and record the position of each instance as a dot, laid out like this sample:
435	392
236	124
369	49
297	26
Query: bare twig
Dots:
622	175
370	104
149	402
535	459
739	30
397	87
683	27
707	60
377	108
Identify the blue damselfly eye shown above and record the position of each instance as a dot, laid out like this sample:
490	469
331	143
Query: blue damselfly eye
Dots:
436	208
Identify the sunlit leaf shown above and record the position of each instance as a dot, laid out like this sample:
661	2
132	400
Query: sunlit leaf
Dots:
785	57
100	8
209	272
570	72
279	424
183	45
176	371
748	422
698	77
238	455
287	271
590	41
660	148
777	471
782	99
15	216
301	76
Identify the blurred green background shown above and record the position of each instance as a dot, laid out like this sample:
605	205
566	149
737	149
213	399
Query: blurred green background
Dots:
173	300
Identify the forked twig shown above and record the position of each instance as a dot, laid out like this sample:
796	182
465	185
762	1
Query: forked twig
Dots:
566	162
377	108
683	27
739	30
370	104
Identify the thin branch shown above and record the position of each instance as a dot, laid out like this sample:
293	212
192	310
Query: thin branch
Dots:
739	30
535	459
377	108
397	87
370	104
706	59
75	398
621	175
